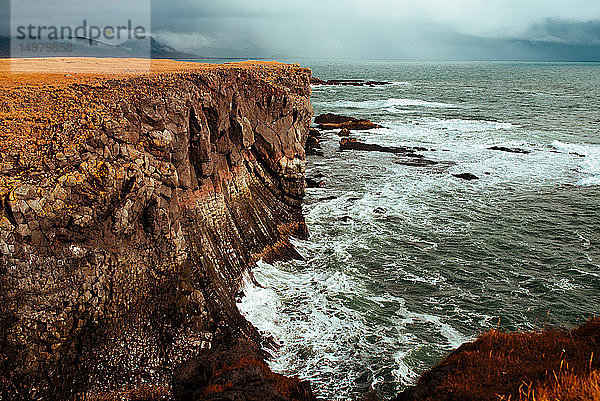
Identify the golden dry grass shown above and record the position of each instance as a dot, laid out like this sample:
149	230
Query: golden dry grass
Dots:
538	366
566	386
46	112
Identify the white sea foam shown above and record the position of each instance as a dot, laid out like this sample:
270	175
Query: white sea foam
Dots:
325	88
318	316
395	84
384	104
403	373
586	273
318	335
588	156
325	311
563	285
382	86
467	125
453	337
466	143
401	83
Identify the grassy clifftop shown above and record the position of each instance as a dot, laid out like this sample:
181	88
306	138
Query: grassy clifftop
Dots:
49	108
539	366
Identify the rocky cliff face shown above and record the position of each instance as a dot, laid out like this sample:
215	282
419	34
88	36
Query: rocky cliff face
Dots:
131	205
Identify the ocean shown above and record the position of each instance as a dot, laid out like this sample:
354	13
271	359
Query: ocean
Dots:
406	263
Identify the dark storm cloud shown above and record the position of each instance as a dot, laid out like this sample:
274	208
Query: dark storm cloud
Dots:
428	29
387	29
566	32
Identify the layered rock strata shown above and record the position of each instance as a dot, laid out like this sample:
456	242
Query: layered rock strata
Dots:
131	205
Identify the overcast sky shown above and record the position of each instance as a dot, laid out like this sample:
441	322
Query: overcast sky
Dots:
379	28
384	29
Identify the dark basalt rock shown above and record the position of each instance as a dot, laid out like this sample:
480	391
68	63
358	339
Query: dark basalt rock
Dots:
125	258
416	162
331	121
344	132
422	149
314	182
313	143
466	176
235	372
327	198
410	157
509	150
353	144
348	82
315	133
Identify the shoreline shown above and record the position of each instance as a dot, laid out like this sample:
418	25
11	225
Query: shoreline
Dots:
132	201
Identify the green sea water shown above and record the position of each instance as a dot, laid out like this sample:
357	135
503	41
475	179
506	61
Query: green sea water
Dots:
403	263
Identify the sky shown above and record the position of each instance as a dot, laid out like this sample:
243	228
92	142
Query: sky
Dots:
374	29
382	29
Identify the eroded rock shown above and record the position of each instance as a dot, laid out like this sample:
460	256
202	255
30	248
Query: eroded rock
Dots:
316	182
132	206
235	372
348	82
354	144
344	132
331	121
466	176
510	150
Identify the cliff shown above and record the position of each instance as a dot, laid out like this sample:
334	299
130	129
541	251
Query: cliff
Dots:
131	205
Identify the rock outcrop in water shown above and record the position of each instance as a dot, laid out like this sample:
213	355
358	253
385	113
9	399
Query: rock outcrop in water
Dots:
313	142
466	176
347	82
132	204
354	144
333	121
344	132
509	150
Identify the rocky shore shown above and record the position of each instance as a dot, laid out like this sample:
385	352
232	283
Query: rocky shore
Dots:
547	365
133	203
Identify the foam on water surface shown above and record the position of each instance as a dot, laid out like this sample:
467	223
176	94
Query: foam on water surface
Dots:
405	263
318	318
383	104
588	163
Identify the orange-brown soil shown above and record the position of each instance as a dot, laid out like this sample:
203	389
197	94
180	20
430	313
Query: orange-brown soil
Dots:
40	97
